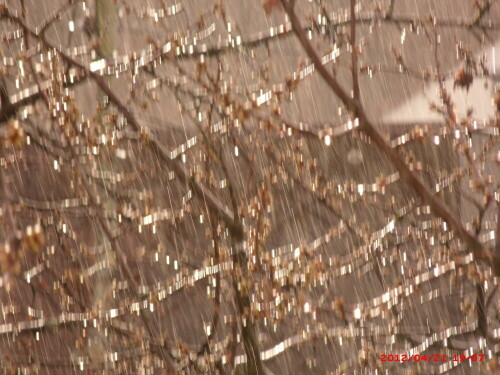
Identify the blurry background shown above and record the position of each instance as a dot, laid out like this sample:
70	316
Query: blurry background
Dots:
115	260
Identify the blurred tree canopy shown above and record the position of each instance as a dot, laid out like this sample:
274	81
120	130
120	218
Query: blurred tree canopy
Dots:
233	187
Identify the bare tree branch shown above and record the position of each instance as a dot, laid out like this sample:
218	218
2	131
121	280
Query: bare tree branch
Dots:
410	177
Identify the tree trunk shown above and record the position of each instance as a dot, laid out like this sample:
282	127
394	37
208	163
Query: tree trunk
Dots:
248	328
